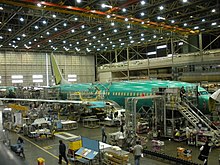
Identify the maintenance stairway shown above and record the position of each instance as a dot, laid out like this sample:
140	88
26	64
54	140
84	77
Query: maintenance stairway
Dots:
196	117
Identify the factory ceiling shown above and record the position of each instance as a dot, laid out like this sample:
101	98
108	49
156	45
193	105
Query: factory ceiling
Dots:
89	26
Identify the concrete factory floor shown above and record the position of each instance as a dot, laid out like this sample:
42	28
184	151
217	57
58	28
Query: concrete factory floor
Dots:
48	149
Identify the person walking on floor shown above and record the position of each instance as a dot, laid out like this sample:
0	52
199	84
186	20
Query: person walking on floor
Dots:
104	136
62	152
138	149
20	146
204	153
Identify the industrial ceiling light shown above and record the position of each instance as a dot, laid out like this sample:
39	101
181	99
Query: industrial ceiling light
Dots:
142	34
154	36
107	39
35	39
1	8
76	19
94	37
130	37
77	42
1	37
29	42
54	16
64	41
185	24
70	45
161	7
90	43
38	46
21	19
36	27
172	21
142	39
14	41
115	30
124	10
98	41
213	10
196	27
128	26
142	14
64	24
108	16
126	19
23	35
44	22
103	34
110	42
49	41
102	44
184	1
89	32
112	23
78	1
203	20
48	33
85	40
9	29
55	29
18	38
99	28
39	5
143	2
214	23
72	30
83	26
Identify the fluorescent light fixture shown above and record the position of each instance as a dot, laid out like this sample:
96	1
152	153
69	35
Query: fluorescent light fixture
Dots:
151	53
72	76
161	46
38	80
17	81
37	76
17	76
72	80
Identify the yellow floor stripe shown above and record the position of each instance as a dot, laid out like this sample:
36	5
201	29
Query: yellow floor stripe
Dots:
40	148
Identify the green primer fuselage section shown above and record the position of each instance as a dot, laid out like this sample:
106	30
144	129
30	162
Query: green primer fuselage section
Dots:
118	91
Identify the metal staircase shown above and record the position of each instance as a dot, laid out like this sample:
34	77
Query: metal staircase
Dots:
195	116
189	116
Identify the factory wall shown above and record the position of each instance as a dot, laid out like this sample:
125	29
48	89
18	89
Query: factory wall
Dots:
28	64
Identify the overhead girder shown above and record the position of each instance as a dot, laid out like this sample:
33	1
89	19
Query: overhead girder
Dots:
96	14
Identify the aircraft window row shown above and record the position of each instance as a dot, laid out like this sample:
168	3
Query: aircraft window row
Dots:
129	94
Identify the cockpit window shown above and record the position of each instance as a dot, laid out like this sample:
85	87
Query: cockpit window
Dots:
203	93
